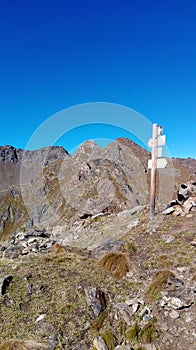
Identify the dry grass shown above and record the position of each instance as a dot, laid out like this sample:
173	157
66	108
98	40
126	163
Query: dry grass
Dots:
118	264
157	284
58	248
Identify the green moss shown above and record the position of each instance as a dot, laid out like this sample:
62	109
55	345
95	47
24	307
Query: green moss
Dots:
67	308
131	247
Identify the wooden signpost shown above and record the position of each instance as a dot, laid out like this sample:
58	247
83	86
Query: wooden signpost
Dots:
156	162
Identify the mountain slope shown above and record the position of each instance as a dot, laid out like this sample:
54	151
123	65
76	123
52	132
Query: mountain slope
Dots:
53	187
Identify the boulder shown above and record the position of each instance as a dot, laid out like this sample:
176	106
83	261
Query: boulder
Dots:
99	343
188	204
96	299
185	202
4	284
187	190
12	252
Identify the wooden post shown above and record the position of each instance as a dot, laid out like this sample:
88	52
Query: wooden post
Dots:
153	170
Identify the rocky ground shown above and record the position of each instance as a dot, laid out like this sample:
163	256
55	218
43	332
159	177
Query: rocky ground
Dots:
81	265
115	281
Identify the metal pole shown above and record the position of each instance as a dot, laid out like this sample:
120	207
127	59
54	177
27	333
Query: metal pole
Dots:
153	170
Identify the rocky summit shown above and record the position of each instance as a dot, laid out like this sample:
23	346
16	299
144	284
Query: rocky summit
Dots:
81	265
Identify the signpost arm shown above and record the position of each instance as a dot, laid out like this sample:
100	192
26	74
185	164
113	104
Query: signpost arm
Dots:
153	170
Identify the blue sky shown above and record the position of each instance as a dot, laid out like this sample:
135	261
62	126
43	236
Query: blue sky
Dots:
140	54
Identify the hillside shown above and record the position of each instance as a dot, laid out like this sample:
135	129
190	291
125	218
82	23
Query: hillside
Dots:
81	265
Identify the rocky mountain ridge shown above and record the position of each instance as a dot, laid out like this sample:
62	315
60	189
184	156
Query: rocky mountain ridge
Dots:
48	186
49	183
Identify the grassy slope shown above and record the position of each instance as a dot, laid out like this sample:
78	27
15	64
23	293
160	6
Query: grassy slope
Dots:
58	280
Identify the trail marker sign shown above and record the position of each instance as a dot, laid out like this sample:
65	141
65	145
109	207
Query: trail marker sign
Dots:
159	152
161	163
156	162
160	141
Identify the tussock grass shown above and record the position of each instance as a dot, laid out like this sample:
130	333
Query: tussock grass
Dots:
58	248
130	246
157	284
97	324
109	339
133	333
118	264
146	334
149	333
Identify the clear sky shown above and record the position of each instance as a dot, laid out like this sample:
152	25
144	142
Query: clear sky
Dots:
136	53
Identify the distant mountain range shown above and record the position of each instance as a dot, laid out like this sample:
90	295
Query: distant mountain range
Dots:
49	186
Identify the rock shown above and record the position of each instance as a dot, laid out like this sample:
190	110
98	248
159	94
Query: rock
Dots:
186	200
123	347
4	284
44	328
109	246
168	238
124	312
176	303
30	289
52	341
40	318
174	314
194	242
135	307
187	190
189	318
169	210
177	282
96	299
147	317
134	304
130	302
189	216
181	269
178	210
144	311
12	252
31	240
99	343
188	204
20	236
150	347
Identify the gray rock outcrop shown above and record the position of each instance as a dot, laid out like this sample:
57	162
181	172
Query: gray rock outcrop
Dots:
185	202
48	186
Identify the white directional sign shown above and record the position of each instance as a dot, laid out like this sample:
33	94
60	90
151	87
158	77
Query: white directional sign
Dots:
161	163
159	152
160	141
